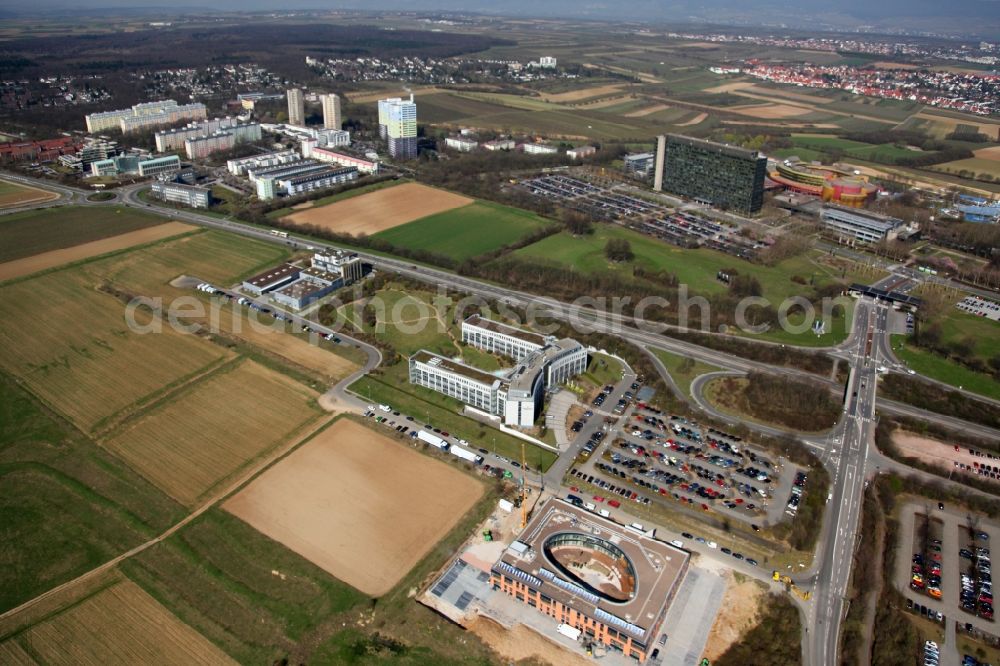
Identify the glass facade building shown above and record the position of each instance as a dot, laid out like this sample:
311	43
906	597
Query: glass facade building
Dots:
723	176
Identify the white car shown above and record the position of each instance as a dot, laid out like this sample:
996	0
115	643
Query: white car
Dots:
677	543
711	544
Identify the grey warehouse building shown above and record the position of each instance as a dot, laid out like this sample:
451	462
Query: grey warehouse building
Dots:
714	173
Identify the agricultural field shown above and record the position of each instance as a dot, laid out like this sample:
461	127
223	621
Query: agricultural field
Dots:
207	432
885	152
56	482
466	232
119	624
37	231
76	353
377	211
334	198
12	194
985	163
344	466
53	258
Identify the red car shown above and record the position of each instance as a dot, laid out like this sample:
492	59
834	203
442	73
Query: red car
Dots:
614	503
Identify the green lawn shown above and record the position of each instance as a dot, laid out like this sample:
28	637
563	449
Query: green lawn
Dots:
815	145
683	370
36	231
467	231
937	367
403	398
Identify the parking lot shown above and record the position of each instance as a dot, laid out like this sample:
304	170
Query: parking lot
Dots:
980	307
943	567
683	228
642	455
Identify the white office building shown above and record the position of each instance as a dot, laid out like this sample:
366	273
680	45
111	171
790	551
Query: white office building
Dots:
851	224
347	264
187	195
518	395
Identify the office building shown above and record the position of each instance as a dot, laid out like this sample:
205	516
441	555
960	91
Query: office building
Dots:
723	176
347	264
661	152
240	165
95	150
398	117
135	165
831	183
296	107
639	165
613	584
195	197
142	116
517	395
849	224
331	111
329	156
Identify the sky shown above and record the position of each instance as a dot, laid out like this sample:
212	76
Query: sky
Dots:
849	13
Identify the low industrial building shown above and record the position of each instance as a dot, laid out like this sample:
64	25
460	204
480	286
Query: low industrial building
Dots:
312	284
515	396
613	584
850	224
187	195
271	279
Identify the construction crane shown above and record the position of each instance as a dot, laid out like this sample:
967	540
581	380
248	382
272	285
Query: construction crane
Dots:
805	595
524	500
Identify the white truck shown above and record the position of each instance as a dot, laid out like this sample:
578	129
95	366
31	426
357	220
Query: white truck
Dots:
432	439
569	632
466	454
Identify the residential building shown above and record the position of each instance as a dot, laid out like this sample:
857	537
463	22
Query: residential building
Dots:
717	174
639	165
327	138
296	107
141	116
547	62
580	152
399	118
362	165
319	179
39	151
200	147
175	139
271	279
265	177
331	111
539	149
612	583
239	166
499	144
187	195
858	225
383	115
462	144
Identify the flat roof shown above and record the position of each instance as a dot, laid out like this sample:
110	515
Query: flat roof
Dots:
475	374
301	288
658	568
725	149
272	275
497	327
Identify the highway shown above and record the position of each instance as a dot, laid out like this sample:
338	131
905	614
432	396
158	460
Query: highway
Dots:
847	449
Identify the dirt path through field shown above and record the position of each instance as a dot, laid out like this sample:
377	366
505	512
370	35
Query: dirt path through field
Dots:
694	121
40	262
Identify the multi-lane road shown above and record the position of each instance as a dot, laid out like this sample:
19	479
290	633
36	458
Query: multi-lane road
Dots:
846	449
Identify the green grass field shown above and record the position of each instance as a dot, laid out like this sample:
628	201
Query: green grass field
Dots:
466	232
885	152
683	370
67	505
36	231
939	368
